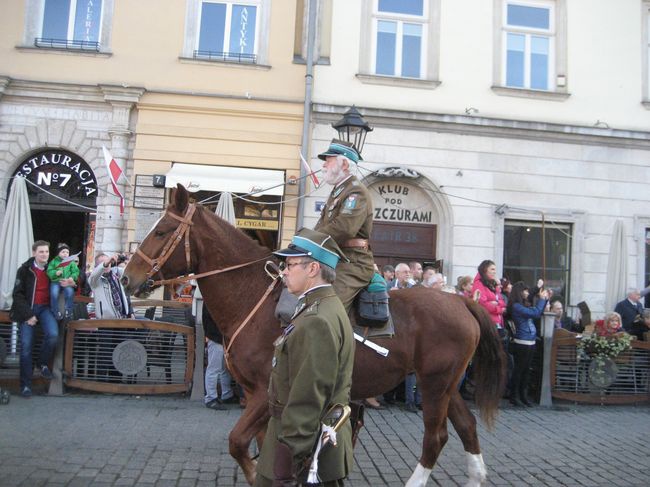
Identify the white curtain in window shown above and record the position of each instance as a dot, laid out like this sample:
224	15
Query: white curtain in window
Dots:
616	287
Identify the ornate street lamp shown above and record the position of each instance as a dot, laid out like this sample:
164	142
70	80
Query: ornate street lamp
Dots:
353	128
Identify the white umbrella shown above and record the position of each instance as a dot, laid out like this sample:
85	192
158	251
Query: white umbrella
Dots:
616	268
225	208
16	239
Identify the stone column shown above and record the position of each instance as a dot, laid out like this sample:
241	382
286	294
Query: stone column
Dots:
110	224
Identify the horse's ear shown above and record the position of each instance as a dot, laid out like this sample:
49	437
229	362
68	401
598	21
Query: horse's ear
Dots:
180	198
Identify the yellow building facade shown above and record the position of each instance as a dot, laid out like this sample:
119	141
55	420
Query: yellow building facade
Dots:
202	92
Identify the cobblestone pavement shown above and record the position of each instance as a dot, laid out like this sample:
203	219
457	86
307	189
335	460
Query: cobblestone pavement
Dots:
103	440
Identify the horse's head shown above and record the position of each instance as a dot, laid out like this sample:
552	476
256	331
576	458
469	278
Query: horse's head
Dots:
165	250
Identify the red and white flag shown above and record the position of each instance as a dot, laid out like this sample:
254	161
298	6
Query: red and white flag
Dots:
115	173
311	173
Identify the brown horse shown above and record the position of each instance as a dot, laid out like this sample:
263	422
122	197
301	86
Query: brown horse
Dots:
436	334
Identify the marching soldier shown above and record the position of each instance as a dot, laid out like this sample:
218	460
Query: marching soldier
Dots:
347	218
312	370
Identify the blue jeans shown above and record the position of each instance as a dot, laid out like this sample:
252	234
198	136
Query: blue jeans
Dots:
68	294
50	336
412	392
216	372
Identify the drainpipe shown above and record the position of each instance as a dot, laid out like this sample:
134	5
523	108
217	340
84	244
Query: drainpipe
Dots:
309	81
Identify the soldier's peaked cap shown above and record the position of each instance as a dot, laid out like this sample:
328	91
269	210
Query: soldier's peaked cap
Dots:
341	148
317	245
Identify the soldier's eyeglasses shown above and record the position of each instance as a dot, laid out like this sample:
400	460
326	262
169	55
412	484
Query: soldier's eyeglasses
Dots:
285	265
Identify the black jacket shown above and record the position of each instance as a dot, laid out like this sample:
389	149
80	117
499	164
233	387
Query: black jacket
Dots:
629	313
23	295
210	328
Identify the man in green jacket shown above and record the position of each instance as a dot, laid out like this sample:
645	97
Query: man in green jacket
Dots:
347	218
311	370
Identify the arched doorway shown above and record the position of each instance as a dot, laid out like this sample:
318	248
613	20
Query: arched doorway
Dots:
62	190
412	222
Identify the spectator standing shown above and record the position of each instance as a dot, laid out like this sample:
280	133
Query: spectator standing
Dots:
630	309
388	273
31	306
216	372
416	271
432	279
111	302
523	344
485	282
464	286
506	287
403	279
63	272
640	328
562	321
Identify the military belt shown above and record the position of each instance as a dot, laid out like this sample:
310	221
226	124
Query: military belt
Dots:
356	243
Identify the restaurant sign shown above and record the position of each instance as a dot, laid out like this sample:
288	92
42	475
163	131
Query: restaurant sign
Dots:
59	172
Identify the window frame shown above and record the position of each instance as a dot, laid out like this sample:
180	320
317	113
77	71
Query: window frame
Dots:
557	65
645	53
400	20
33	28
566	270
529	33
430	46
228	23
193	26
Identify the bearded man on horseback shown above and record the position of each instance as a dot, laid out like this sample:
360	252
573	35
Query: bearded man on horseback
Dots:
347	218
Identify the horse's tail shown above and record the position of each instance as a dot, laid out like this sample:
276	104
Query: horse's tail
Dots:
489	366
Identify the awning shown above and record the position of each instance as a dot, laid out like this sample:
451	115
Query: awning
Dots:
197	177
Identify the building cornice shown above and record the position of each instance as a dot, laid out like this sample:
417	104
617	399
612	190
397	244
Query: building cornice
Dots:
489	127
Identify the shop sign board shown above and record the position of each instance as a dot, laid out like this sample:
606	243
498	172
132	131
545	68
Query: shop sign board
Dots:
398	201
60	172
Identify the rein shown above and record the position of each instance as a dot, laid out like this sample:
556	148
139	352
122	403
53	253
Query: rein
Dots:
183	230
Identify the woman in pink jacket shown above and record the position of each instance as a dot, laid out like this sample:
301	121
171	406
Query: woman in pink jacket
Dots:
487	284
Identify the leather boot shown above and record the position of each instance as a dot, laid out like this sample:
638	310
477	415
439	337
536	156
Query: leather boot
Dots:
524	399
515	401
283	470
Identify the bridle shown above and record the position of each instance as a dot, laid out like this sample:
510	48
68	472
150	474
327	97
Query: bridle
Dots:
175	238
183	230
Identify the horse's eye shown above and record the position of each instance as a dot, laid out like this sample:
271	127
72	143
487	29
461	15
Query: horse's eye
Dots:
159	233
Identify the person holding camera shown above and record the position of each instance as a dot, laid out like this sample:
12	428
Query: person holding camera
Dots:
111	302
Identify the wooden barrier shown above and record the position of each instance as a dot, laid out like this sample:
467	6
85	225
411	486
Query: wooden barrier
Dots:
571	373
118	356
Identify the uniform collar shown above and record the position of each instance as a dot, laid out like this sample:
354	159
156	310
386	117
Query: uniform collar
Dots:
341	183
316	292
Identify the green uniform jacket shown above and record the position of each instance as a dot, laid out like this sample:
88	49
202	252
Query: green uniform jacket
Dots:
348	214
312	370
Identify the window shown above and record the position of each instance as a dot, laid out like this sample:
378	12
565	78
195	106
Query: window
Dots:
72	24
523	247
529	45
400	38
83	26
227	31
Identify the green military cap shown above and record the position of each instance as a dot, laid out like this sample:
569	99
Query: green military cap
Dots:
318	246
341	148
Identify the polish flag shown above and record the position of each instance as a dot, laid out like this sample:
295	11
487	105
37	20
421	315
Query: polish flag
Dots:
115	173
311	173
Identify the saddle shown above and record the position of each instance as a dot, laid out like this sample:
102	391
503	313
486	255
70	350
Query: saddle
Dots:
369	315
